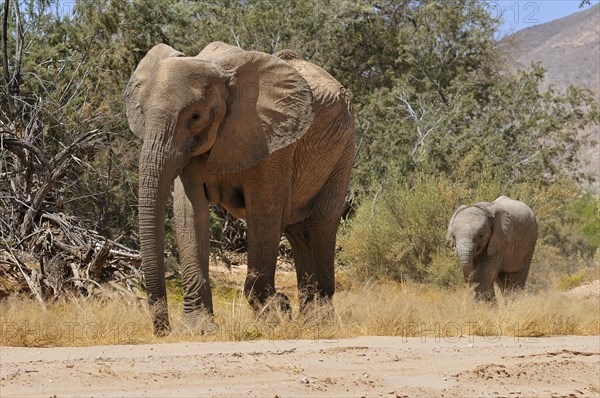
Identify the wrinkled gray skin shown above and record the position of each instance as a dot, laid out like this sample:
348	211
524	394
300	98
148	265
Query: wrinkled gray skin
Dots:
270	137
494	241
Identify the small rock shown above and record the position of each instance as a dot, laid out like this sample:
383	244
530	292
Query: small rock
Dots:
304	380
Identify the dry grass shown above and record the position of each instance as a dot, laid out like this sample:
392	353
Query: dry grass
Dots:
381	308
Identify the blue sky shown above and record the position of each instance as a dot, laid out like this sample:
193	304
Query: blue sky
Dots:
521	14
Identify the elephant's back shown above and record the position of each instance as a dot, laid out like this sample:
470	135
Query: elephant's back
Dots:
520	212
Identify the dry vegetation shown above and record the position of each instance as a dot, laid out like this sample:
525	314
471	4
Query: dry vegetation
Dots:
396	277
362	309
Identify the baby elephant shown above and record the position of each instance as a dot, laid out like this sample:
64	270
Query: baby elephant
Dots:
494	241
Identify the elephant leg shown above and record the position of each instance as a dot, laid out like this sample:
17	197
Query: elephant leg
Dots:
502	280
191	221
264	235
322	243
298	236
316	237
313	246
513	281
266	197
483	277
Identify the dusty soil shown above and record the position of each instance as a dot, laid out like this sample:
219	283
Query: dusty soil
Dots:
566	366
587	290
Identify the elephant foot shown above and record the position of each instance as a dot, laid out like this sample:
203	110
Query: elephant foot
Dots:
200	322
160	318
161	328
487	296
320	308
278	304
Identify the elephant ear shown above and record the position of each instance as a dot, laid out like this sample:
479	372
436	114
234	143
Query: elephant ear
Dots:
138	80
268	108
449	238
501	230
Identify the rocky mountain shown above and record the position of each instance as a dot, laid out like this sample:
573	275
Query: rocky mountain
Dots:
569	49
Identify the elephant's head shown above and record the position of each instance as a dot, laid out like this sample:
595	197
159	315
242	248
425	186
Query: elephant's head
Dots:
478	235
233	107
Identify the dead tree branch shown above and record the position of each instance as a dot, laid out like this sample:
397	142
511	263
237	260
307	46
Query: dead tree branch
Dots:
30	279
42	252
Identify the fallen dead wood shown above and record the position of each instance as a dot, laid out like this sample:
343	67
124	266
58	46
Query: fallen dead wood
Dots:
59	257
30	277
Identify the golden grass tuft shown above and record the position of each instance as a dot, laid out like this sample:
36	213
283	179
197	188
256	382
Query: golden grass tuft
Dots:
372	308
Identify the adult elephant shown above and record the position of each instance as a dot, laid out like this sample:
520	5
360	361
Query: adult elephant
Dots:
494	241
270	137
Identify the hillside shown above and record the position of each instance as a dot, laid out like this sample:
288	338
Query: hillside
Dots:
569	49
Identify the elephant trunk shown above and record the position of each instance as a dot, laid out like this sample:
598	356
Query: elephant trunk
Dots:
466	254
157	170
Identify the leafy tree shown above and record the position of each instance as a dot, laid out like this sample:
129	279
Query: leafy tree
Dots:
429	84
451	93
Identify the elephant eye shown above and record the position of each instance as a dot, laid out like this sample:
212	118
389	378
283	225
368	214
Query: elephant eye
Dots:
194	120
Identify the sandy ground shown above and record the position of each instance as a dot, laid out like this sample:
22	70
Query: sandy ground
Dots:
566	366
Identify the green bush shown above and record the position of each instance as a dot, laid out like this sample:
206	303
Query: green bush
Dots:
548	266
401	231
585	213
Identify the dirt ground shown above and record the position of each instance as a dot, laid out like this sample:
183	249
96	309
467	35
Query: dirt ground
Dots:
566	366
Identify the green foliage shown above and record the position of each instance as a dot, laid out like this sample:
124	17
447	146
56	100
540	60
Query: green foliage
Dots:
174	291
441	120
570	220
523	133
401	232
585	213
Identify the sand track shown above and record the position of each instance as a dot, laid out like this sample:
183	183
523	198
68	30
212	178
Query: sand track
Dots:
566	366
